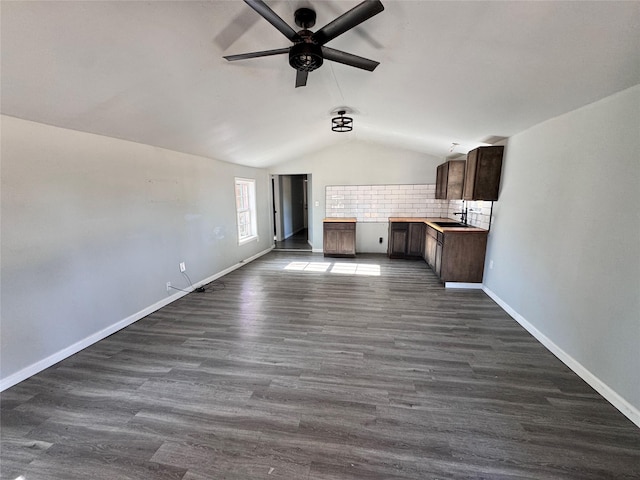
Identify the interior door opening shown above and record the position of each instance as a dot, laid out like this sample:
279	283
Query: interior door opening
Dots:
291	212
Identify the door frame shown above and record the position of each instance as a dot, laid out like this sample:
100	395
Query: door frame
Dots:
276	207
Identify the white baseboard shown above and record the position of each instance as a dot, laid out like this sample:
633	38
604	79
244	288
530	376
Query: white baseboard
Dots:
469	286
317	250
40	365
233	267
628	410
60	355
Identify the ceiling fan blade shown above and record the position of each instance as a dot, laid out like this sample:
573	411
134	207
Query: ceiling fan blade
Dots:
264	53
273	18
301	78
349	59
347	21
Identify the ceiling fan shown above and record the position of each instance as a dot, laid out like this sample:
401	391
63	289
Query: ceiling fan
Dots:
308	50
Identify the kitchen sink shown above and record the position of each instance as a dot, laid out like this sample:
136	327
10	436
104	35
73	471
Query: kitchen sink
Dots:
452	224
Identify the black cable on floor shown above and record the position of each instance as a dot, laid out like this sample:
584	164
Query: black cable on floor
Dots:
203	289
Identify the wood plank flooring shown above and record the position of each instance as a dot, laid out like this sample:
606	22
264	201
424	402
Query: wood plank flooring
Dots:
296	242
296	371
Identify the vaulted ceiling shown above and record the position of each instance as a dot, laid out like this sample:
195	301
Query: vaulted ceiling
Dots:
450	72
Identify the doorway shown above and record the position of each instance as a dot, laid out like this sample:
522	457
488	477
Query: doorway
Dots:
290	212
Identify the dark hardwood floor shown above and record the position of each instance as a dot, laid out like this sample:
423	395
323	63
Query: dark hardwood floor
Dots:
305	367
296	242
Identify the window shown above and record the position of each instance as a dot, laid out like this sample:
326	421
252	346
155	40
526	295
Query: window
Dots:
246	209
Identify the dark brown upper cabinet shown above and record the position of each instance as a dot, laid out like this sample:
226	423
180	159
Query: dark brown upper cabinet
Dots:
449	180
482	174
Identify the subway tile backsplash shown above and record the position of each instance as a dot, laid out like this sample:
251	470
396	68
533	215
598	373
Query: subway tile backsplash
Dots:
478	212
376	203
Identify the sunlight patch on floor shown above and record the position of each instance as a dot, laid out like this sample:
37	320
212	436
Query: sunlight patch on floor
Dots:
308	266
339	268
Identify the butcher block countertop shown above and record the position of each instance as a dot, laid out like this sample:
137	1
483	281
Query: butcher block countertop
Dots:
431	223
340	219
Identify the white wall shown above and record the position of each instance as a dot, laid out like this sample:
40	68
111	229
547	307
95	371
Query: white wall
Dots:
94	227
565	243
358	163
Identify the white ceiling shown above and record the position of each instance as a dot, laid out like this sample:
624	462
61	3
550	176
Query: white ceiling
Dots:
451	72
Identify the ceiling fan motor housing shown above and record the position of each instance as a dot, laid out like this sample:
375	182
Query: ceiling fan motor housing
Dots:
305	56
305	18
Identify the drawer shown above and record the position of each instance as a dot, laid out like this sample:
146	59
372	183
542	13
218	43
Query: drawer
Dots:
339	226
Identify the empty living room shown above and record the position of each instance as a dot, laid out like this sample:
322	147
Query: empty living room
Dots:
335	239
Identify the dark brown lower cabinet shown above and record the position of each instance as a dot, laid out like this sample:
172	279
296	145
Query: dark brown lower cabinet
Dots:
398	234
433	254
456	256
339	239
415	240
406	240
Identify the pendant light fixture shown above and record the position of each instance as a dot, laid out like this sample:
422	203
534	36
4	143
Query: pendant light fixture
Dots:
341	123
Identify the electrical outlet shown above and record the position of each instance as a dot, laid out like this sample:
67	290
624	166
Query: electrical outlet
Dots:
380	240
183	267
168	286
490	264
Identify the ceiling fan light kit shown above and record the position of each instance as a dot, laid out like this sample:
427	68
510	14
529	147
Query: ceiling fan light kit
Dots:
308	51
341	123
305	57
